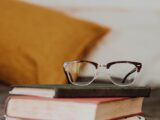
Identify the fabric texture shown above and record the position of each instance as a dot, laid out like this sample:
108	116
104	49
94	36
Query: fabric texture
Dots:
35	41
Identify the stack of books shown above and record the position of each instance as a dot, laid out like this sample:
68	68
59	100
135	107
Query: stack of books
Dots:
68	102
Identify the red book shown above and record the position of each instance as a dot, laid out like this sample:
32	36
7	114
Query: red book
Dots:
29	107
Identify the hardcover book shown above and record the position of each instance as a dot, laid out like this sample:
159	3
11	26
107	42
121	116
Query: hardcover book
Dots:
126	118
72	91
31	107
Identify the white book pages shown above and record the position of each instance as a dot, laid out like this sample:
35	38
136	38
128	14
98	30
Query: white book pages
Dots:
51	110
50	93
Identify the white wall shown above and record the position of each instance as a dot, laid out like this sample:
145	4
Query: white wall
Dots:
138	4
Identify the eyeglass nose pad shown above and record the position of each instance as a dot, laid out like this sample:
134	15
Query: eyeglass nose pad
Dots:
95	74
108	75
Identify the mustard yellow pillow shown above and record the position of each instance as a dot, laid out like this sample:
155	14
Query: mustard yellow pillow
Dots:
35	41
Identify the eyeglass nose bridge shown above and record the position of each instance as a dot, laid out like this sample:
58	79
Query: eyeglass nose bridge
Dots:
102	65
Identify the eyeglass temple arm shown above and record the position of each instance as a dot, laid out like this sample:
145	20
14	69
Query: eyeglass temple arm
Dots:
132	71
68	82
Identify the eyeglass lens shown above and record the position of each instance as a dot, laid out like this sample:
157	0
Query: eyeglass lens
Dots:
122	73
81	72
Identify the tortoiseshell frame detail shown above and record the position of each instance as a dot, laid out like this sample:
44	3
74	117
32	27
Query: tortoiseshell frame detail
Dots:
138	65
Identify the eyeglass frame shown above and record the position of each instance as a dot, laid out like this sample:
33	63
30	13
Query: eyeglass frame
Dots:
138	66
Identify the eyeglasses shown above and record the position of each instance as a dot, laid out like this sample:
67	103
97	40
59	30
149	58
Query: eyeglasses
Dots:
121	73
